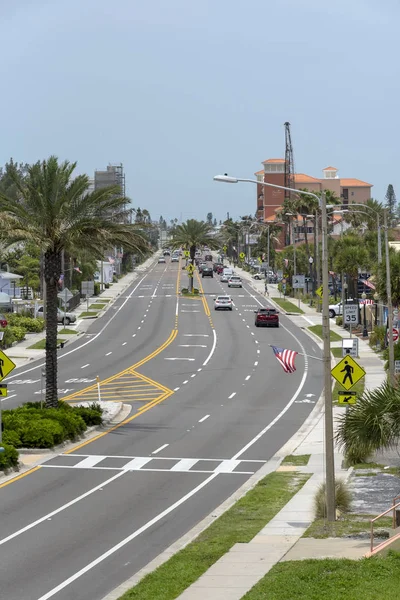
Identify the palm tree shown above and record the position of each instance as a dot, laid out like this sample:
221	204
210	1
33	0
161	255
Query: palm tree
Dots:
192	235
56	212
350	256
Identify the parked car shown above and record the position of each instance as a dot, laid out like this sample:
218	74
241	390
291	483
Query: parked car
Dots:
235	281
207	272
266	317
65	318
337	309
223	303
3	321
259	276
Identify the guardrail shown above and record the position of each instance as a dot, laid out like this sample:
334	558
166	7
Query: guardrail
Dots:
393	509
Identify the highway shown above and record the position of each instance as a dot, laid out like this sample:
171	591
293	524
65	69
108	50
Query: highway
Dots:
210	405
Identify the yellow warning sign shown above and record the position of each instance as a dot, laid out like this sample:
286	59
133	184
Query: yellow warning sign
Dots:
190	269
347	397
186	253
6	365
242	256
320	291
3	390
347	372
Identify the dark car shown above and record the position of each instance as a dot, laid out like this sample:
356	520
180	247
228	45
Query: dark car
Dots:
202	265
207	272
208	258
3	321
266	317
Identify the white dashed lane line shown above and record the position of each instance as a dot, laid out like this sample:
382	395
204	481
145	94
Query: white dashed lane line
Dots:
108	353
160	448
248	377
256	363
185	382
84	366
134	334
125	343
176	389
231	396
203	418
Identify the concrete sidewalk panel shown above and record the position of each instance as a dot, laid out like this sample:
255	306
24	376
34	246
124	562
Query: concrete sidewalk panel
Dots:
221	581
214	593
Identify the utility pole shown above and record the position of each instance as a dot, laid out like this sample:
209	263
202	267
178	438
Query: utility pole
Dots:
392	379
329	445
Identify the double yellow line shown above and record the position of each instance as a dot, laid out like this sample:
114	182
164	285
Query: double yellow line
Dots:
204	301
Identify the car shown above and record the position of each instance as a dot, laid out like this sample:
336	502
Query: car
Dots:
337	309
202	266
235	281
266	317
162	259
167	253
259	276
3	321
216	266
62	317
207	272
223	303
174	258
208	258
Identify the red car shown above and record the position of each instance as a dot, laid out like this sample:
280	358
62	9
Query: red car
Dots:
3	321
266	317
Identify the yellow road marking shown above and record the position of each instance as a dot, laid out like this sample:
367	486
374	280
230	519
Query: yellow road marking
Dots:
19	476
203	298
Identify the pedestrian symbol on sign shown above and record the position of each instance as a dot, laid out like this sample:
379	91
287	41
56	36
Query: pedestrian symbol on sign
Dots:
348	370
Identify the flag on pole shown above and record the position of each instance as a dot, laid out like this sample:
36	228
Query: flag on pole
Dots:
60	281
286	262
285	358
111	260
77	269
369	284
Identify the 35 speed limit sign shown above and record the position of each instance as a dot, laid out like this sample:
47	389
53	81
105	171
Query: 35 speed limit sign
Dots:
351	314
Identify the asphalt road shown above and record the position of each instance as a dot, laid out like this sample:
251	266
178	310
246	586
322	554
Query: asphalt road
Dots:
210	404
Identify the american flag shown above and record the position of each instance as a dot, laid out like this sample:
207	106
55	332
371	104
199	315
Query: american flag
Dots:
369	284
286	262
77	269
285	358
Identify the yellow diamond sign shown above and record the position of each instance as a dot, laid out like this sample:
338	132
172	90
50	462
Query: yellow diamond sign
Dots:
6	365
320	291
190	269
347	372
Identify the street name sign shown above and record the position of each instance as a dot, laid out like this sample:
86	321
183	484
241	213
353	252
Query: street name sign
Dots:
348	372
6	365
351	314
347	397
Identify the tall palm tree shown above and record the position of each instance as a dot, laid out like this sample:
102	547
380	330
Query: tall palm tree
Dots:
350	255
56	212
192	235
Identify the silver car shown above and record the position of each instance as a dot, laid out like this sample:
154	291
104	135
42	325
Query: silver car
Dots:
234	281
62	317
223	303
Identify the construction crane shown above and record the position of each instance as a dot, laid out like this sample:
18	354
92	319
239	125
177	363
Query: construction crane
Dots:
289	162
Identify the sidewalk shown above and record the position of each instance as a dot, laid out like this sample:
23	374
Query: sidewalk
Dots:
21	354
245	564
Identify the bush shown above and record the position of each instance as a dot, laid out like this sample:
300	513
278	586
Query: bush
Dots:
195	291
89	415
42	433
71	422
18	332
28	323
8	337
8	458
396	355
378	336
184	291
12	438
343	499
97	288
106	286
339	321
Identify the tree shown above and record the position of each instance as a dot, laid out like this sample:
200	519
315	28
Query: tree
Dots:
350	256
215	222
192	235
209	218
391	202
57	213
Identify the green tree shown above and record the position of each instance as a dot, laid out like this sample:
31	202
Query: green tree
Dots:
391	202
394	259
350	257
56	212
29	268
215	222
193	235
209	219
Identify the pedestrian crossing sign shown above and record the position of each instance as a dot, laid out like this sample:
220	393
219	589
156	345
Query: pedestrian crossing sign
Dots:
6	365
320	291
190	269
347	398
347	372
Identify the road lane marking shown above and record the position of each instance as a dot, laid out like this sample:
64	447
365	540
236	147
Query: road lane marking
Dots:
191	359
258	351
198	370
203	418
248	377
176	389
89	461
196	335
231	396
137	463
84	366
192	346
227	466
185	464
134	335
185	382
194	375
212	349
125	343
108	353
57	510
160	448
8	397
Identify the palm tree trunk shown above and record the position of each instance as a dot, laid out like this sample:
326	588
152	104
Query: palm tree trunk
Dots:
192	256
52	270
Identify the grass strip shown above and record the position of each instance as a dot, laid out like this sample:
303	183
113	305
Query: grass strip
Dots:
337	352
238	524
41	344
317	329
331	579
65	331
98	305
349	524
88	314
296	460
288	306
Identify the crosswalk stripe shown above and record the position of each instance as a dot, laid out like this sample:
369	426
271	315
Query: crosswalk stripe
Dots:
136	463
185	464
89	461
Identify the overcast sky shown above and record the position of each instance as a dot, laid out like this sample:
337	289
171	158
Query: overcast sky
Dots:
180	90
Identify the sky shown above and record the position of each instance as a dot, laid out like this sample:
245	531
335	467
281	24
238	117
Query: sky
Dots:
181	90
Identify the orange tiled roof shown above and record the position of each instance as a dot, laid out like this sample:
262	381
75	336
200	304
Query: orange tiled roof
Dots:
259	172
303	178
330	169
274	160
354	183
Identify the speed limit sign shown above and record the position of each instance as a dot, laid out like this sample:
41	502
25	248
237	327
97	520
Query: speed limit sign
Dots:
351	314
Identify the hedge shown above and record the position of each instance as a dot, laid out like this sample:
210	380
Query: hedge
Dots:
28	323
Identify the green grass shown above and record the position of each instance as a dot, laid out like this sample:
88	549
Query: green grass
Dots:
349	524
331	579
368	465
41	344
98	305
317	329
88	314
299	460
337	352
65	331
288	306
238	524
358	387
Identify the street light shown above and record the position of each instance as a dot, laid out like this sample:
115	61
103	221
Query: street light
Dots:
365	330
329	446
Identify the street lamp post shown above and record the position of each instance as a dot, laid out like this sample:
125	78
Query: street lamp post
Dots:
365	330
329	445
392	379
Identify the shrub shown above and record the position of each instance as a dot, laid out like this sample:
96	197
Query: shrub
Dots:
106	286
42	433
184	291
28	323
97	288
339	321
8	458
18	332
343	498
11	438
72	423
8	337
396	355
195	291
89	415
378	336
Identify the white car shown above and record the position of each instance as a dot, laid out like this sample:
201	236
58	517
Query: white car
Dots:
336	310
174	258
162	259
223	303
224	278
234	281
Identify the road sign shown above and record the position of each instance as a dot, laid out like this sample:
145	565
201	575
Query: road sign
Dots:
3	390
298	282
87	288
65	295
190	269
347	397
242	256
351	314
320	291
6	365
186	254
353	350
347	372
225	248
397	366
395	334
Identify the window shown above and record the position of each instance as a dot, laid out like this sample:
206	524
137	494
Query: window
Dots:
345	194
352	193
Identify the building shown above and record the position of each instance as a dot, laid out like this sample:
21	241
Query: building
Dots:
269	199
114	175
